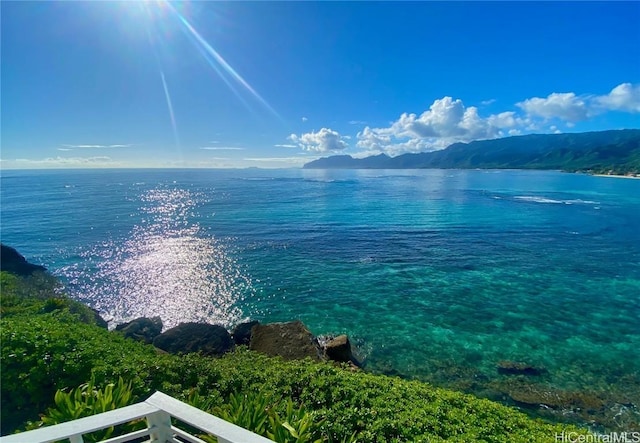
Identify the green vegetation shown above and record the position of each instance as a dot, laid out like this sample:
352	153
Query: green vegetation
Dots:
50	343
88	400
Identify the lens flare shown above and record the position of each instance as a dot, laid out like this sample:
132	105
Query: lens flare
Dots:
149	14
167	96
212	57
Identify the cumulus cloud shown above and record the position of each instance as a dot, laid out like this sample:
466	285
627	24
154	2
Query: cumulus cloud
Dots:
565	106
624	97
571	108
325	140
445	122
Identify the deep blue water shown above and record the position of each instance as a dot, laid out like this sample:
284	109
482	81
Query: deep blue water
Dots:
433	273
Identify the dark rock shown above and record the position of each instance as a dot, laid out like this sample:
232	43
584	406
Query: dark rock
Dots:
339	349
507	367
142	329
101	322
242	332
12	261
290	341
195	337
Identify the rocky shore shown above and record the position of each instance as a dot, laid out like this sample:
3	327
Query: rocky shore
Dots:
290	341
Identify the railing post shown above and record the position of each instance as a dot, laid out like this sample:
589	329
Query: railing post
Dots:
160	425
76	439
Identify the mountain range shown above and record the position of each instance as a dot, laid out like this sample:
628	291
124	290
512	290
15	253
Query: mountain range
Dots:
604	152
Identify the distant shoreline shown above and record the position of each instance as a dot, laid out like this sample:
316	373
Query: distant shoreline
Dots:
617	176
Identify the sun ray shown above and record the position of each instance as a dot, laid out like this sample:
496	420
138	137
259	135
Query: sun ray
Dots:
217	70
165	88
213	55
170	108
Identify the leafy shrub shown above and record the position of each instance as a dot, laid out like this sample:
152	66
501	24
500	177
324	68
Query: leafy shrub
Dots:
54	304
38	293
88	400
249	411
43	353
262	413
296	425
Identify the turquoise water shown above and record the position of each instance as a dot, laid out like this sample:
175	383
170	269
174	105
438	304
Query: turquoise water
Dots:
435	274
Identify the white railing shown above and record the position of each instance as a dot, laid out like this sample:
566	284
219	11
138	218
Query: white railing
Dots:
158	410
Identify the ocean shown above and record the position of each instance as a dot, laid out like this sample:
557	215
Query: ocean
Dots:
434	274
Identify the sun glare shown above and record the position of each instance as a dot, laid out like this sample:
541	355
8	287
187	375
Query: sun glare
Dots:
162	20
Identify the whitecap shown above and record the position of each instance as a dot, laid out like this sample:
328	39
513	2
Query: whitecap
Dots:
584	202
534	199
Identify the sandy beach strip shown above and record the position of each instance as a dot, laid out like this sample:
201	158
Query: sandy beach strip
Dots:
617	176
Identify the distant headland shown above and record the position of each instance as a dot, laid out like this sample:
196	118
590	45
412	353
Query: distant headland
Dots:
615	152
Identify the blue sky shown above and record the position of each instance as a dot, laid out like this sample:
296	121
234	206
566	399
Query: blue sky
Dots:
267	84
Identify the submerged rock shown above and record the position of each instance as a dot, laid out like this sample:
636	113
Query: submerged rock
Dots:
195	337
290	341
12	261
507	367
142	329
537	396
242	332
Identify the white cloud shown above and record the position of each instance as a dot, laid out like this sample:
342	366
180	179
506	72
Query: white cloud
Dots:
286	146
572	108
565	106
445	122
505	120
488	102
325	140
304	119
357	122
624	97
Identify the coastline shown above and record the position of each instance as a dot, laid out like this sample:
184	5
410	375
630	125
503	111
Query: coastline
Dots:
636	177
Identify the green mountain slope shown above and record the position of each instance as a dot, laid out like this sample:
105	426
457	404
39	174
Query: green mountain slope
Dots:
615	152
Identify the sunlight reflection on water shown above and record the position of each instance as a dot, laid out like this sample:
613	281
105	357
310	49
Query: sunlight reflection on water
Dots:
167	267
